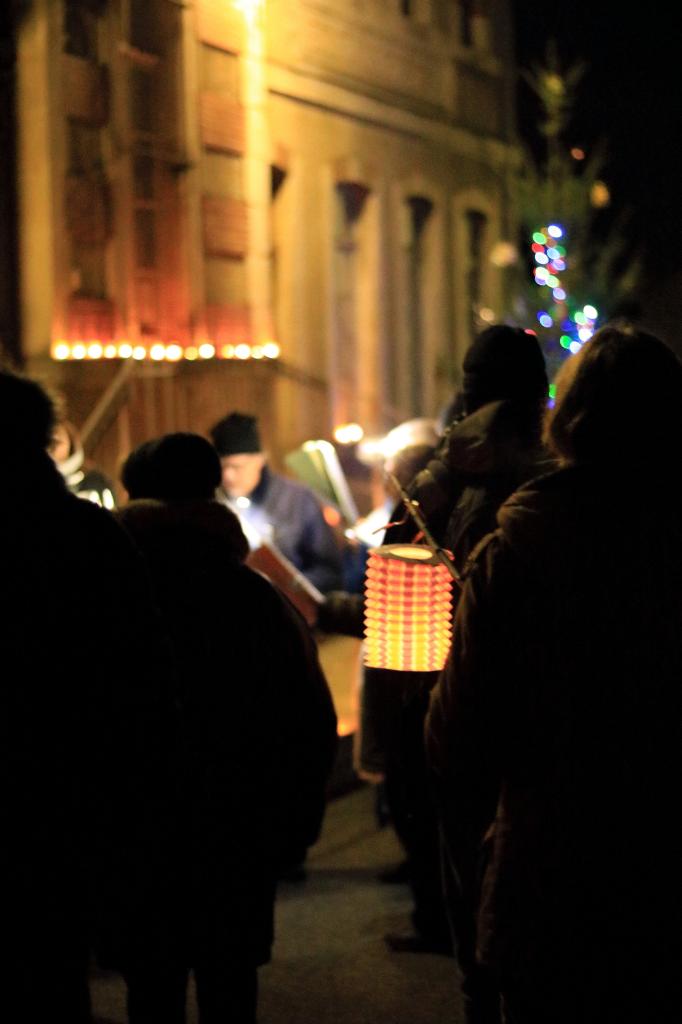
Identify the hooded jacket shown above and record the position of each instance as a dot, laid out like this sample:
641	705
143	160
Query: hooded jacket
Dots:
481	460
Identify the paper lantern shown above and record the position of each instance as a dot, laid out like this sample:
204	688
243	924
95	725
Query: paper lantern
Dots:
408	609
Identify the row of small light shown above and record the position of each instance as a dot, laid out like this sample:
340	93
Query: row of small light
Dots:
550	257
160	352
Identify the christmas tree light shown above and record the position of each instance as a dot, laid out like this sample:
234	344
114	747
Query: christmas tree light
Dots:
576	325
578	268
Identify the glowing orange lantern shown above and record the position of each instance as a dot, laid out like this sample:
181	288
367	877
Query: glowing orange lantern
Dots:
408	609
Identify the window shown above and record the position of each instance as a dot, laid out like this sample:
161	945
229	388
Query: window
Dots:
278	235
419	210
154	153
80	29
87	196
144	27
89	223
466	21
350	204
143	177
441	14
145	212
84	151
476	224
142	99
145	238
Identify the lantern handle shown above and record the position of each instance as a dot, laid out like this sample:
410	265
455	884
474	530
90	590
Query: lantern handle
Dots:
414	510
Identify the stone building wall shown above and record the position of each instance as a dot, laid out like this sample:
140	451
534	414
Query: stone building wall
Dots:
206	183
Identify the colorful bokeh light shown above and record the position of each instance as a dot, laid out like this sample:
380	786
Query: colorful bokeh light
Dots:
577	325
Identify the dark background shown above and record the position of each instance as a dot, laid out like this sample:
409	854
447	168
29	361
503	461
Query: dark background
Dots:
629	99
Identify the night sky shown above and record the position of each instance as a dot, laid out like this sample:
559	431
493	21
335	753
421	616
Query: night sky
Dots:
629	99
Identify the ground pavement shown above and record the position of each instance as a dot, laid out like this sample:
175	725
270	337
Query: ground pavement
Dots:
330	964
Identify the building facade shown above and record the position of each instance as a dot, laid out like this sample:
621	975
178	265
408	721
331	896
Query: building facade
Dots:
283	206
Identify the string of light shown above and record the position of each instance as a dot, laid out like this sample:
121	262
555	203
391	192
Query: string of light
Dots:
159	352
576	324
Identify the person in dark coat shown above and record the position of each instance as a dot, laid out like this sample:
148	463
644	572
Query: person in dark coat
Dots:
554	733
260	728
272	507
89	735
492	445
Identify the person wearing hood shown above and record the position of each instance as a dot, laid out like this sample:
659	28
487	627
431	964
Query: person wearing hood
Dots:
554	733
259	722
493	445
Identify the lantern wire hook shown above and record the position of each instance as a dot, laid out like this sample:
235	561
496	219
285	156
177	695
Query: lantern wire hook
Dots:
414	510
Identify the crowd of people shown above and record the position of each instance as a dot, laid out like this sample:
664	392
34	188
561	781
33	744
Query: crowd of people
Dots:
161	773
162	770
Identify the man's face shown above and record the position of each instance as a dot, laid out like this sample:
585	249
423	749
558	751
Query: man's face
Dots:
241	473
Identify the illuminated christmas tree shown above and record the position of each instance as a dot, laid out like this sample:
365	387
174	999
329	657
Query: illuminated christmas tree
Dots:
576	269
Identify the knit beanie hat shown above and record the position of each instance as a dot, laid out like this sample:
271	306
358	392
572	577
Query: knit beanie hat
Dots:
503	363
176	467
236	434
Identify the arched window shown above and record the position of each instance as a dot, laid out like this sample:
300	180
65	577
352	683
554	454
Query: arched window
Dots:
476	225
467	10
277	235
350	204
419	210
80	28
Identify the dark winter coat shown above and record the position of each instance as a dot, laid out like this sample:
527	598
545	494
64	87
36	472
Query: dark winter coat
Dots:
558	719
480	461
258	715
87	729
